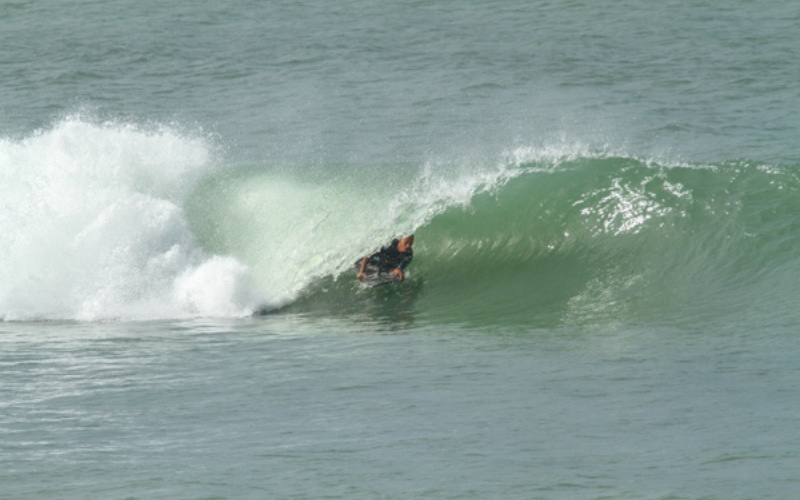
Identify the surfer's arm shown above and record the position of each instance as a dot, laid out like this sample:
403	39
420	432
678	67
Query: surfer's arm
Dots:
400	270
361	274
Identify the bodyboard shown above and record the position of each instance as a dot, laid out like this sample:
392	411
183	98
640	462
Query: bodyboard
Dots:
375	277
378	279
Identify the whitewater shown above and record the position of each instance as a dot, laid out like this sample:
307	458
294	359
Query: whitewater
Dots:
603	296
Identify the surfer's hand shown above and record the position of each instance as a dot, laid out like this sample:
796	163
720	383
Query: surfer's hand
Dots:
399	274
361	276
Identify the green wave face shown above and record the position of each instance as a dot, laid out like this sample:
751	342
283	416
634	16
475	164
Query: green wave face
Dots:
596	241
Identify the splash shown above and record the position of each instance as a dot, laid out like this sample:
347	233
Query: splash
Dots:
93	226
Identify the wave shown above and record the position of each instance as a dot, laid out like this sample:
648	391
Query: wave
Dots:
119	221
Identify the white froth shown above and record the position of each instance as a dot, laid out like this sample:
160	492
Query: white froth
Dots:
93	227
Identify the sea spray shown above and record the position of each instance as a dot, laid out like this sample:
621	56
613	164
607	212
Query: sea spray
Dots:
93	225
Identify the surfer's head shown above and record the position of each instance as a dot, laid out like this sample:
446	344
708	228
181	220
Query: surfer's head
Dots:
404	244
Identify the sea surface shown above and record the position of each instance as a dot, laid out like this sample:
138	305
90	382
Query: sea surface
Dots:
603	302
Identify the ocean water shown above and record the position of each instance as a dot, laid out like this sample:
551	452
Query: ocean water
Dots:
603	300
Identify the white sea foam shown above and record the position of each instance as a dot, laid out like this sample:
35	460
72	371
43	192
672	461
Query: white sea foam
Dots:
93	227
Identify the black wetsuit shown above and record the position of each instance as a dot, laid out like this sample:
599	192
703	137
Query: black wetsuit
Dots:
388	259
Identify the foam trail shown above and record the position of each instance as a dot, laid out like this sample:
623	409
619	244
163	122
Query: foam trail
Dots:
93	227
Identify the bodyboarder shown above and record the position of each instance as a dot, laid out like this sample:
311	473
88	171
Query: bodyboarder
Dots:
393	258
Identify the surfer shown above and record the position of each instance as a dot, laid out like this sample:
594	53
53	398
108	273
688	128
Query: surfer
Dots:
393	258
